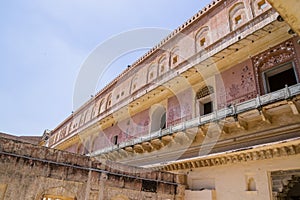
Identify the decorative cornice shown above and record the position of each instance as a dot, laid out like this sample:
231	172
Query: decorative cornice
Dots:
255	153
213	49
197	16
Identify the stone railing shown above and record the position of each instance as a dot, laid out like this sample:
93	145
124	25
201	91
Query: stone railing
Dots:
231	38
233	110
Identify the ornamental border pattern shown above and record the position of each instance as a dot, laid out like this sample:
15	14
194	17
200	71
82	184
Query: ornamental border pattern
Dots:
242	156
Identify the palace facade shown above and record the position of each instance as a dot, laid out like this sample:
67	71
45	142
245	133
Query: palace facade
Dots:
217	100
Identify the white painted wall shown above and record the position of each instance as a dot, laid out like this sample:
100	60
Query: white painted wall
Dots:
230	181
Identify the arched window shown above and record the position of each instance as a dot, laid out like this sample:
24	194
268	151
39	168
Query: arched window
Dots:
109	101
202	38
152	73
101	107
162	65
259	6
134	84
237	16
174	57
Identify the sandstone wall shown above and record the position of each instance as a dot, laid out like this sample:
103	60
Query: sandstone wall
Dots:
33	172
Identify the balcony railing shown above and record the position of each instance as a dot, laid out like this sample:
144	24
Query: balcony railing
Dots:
233	110
217	46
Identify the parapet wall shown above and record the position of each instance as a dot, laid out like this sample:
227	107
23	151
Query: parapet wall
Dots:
33	172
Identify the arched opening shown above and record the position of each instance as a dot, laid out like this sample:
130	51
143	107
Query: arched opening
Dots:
174	59
162	65
109	101
134	83
157	118
101	107
152	73
202	38
259	6
237	16
251	185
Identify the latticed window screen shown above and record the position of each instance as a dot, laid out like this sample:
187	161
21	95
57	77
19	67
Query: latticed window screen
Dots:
205	91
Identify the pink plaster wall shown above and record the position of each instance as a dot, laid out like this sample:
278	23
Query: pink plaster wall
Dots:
127	129
180	107
236	84
216	18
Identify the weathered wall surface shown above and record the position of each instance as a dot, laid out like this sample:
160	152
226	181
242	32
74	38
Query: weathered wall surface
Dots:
32	172
289	11
238	84
279	55
247	79
250	180
205	28
180	107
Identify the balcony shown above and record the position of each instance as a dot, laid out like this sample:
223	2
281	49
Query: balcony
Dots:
242	117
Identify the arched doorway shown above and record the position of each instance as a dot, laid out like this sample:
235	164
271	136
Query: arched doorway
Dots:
157	118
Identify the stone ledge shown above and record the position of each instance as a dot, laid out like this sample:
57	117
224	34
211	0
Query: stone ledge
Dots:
14	148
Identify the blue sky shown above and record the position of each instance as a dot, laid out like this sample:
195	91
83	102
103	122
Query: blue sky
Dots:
44	42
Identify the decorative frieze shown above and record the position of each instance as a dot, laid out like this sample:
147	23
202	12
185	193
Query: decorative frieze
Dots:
267	152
